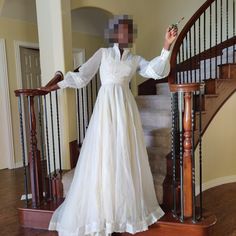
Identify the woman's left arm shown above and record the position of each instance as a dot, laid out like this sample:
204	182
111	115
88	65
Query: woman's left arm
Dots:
159	67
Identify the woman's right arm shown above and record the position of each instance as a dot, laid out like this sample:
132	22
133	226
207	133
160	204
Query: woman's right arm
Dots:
78	79
86	72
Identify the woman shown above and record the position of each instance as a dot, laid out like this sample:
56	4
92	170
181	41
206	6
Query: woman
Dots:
112	189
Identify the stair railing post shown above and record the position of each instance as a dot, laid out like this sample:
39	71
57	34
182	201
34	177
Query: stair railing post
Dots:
187	146
35	162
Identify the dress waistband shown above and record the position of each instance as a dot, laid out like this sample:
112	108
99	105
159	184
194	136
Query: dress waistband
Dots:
123	83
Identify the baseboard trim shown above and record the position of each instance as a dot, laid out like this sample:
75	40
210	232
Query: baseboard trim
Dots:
18	164
216	182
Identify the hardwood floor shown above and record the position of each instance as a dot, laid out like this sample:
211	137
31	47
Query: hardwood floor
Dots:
220	200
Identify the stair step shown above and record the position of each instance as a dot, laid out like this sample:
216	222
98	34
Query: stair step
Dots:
156	118
162	88
157	137
153	102
227	71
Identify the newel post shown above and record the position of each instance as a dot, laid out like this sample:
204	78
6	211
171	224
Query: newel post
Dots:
187	155
34	158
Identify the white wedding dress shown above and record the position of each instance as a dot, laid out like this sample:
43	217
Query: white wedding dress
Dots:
112	189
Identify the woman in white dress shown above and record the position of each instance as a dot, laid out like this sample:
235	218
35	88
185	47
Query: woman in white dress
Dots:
112	189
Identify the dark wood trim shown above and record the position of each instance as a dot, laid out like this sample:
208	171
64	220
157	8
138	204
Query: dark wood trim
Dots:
184	87
74	153
36	92
148	87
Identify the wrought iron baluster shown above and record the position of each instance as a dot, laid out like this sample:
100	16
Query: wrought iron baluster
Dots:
193	98
22	138
221	28
227	29
52	128
48	152
83	112
79	141
199	49
180	106
87	106
200	151
194	53
210	40
204	42
234	22
216	37
32	156
42	140
173	148
190	55
58	132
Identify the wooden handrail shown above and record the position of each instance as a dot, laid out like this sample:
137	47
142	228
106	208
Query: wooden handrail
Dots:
37	92
183	33
185	87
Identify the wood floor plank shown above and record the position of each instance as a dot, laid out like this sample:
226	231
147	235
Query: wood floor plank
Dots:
220	200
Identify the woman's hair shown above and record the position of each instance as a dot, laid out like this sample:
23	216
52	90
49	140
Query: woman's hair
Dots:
114	24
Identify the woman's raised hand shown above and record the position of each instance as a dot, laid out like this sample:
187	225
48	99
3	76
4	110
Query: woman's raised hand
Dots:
170	36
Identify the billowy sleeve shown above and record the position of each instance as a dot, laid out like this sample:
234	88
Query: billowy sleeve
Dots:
86	72
157	68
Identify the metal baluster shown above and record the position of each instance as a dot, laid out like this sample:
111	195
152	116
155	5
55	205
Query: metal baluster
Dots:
34	200
22	138
184	81
234	20
190	54
194	53
96	79
187	57
178	72
48	152
221	28
79	141
42	139
193	98
200	149
58	132
204	42
227	29
53	142
210	40
83	113
87	106
91	89
216	38
180	106
173	148
199	49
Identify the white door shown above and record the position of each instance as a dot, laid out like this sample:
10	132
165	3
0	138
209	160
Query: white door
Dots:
31	78
6	140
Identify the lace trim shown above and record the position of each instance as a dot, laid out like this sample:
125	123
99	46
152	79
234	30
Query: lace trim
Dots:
106	228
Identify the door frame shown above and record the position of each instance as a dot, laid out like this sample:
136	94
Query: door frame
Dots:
17	45
4	87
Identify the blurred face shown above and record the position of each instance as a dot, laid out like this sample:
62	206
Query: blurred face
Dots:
124	34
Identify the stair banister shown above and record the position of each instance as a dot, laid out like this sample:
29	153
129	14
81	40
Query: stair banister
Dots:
187	194
182	35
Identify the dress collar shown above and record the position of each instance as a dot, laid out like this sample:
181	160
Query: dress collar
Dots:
117	52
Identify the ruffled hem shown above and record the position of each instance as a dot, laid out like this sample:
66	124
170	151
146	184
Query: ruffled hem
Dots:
107	228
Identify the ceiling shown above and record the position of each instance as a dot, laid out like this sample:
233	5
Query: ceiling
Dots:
85	20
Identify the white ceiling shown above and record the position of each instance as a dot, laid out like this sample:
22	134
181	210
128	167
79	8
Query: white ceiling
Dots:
86	20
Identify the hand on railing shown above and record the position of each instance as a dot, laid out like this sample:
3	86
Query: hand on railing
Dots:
52	84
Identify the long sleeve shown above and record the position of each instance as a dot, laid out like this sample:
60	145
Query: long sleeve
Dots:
86	72
157	68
